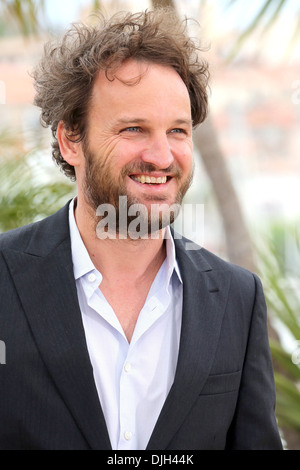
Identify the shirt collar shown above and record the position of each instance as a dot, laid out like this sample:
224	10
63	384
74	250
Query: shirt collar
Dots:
82	263
172	264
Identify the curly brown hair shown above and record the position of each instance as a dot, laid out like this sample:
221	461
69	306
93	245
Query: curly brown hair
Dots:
64	77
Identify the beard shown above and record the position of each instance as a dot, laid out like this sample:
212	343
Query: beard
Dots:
102	188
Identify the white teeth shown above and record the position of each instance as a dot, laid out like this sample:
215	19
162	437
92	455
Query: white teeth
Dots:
150	179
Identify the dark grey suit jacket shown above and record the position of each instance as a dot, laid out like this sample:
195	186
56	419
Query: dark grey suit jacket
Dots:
223	393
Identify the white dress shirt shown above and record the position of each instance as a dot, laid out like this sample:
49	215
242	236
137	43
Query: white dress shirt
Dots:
132	379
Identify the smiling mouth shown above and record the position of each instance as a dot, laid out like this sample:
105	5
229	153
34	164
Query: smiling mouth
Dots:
146	179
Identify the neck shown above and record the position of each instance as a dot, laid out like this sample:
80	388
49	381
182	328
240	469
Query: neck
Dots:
116	258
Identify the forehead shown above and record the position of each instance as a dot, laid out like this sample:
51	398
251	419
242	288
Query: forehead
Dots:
140	83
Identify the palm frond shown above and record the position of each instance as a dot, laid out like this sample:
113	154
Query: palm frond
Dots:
283	358
287	404
26	195
283	303
268	13
25	13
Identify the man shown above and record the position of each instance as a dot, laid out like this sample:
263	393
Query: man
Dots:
119	337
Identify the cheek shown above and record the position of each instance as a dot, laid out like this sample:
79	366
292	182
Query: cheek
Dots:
125	153
184	156
104	147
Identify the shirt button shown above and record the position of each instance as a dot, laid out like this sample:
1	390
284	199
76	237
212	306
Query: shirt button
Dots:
127	367
128	435
91	277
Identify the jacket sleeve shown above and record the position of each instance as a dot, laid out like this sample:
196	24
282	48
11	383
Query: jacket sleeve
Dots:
254	426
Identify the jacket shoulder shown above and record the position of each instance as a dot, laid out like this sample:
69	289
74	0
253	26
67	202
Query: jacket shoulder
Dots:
17	237
217	262
204	260
240	275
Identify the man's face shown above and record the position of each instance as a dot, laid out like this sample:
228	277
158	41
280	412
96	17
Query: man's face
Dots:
139	139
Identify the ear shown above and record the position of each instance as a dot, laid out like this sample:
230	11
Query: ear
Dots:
71	151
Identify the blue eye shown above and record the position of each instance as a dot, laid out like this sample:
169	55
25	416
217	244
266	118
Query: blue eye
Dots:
178	131
132	129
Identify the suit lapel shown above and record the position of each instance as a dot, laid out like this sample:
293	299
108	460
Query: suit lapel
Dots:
47	291
204	299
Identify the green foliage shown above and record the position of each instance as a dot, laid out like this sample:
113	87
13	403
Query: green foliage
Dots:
265	18
27	16
25	13
283	300
29	190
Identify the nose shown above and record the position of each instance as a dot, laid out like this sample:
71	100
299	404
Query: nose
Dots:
158	152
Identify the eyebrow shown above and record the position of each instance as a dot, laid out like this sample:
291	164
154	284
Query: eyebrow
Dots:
129	120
